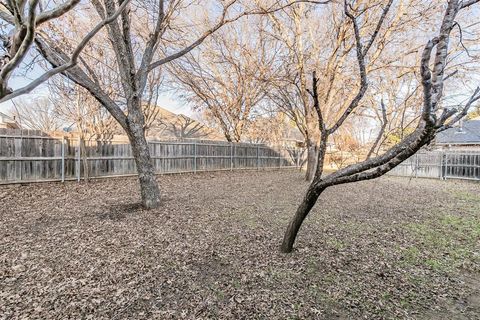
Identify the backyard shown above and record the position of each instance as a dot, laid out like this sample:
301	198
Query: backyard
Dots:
386	248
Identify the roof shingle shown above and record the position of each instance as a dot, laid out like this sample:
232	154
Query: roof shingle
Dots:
468	133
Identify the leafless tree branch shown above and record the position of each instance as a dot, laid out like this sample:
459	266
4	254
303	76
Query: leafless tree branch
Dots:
73	60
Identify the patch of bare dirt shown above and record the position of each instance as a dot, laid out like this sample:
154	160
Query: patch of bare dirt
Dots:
384	249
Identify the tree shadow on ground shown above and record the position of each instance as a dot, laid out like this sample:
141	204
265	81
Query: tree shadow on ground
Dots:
118	212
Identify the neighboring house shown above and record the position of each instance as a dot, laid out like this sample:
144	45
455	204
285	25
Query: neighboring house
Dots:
465	136
7	122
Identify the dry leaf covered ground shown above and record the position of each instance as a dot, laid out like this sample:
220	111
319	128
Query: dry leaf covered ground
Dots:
389	248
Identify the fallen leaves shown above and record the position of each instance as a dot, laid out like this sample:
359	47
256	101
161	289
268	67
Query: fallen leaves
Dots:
211	250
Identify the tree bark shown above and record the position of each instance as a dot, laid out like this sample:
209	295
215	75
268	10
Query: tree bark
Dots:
303	210
146	173
311	160
83	150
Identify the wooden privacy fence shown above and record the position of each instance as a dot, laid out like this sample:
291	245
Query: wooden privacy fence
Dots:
441	165
43	158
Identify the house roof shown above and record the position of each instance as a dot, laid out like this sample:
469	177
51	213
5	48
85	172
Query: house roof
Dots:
169	125
7	121
6	118
468	133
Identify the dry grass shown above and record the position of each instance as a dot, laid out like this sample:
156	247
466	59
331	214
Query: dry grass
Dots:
387	248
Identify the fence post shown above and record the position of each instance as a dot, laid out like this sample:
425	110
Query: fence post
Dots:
446	166
416	165
63	159
195	156
231	156
258	157
297	153
79	158
21	149
441	174
279	158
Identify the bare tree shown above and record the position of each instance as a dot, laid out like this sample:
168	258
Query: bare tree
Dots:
330	52
289	93
152	93
79	110
37	114
183	127
267	129
170	125
434	117
399	101
227	79
381	134
346	149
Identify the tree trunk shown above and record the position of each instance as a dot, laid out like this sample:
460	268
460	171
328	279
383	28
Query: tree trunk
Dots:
146	172
303	210
311	160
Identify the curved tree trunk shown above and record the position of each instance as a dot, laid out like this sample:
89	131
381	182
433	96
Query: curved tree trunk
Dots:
146	172
431	122
302	211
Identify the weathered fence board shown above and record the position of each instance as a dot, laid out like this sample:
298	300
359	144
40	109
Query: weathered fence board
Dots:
25	158
40	158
